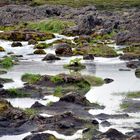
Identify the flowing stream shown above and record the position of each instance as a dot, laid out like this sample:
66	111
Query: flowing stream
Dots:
107	95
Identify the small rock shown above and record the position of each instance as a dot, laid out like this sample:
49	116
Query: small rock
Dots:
16	44
50	56
88	57
108	80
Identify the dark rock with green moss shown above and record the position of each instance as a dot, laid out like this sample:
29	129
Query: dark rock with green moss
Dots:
137	73
63	49
50	57
2	49
42	136
25	35
32	42
41	46
40	52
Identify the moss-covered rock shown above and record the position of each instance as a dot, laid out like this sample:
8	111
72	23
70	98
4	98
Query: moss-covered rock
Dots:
25	35
40	51
137	73
2	49
32	42
4	105
41	46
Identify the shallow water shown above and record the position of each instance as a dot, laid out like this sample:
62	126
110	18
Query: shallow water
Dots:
107	95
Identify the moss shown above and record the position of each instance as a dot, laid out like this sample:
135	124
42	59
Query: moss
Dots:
6	62
52	25
56	79
3	106
104	51
2	49
93	81
75	64
41	46
58	91
31	78
40	52
30	112
5	80
125	105
13	92
133	94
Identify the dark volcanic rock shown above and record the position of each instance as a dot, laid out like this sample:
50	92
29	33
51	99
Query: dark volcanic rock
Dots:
88	57
63	49
42	136
108	80
16	44
50	57
103	116
112	134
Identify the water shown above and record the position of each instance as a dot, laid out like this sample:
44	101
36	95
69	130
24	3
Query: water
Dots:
107	95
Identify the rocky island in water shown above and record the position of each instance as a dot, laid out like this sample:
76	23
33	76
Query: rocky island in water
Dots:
69	70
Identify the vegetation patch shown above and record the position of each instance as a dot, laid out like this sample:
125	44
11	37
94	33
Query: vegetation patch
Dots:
13	92
52	25
3	105
58	91
30	112
56	79
133	94
6	62
125	105
31	78
5	80
75	64
41	46
93	81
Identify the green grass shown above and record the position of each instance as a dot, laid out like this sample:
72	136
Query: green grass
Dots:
125	105
6	62
56	79
13	92
30	78
30	112
133	94
101	4
58	91
51	25
93	81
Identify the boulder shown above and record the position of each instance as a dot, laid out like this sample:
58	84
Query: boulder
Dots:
16	44
39	51
63	49
42	136
88	57
50	57
108	80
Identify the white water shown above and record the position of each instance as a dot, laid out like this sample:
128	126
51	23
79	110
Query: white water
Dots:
124	81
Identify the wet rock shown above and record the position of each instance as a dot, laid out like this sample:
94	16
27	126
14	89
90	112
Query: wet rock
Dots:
16	44
129	56
108	80
50	57
65	125
63	49
135	137
42	136
137	73
2	49
124	69
75	98
112	134
88	57
105	124
133	64
1	85
103	116
37	105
